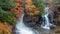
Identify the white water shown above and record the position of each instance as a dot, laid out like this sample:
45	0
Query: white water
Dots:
46	24
22	28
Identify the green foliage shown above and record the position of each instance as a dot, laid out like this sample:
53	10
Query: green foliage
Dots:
8	17
5	14
6	4
40	4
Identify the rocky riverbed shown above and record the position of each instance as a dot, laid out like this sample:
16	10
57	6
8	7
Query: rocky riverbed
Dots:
35	22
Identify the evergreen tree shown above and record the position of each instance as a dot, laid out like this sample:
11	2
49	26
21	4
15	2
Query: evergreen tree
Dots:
5	14
6	4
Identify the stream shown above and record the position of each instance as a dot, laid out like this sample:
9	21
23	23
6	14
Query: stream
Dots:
21	28
46	23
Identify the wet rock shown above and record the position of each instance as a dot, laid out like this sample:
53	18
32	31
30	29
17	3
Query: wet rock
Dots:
32	20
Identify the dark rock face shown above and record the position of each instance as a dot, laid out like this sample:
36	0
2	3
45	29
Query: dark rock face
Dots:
32	21
57	16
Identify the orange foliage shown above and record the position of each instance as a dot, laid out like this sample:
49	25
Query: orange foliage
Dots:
4	27
17	5
17	9
19	0
12	9
31	7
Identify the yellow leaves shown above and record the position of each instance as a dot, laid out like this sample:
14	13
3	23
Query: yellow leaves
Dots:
31	14
1	26
0	31
17	4
28	1
31	7
4	28
36	12
29	4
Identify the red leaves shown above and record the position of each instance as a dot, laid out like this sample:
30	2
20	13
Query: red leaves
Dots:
19	0
17	9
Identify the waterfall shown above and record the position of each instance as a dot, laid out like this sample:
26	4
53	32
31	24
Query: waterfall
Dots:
46	23
21	28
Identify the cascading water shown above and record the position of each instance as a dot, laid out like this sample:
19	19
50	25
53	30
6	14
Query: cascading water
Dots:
46	23
21	28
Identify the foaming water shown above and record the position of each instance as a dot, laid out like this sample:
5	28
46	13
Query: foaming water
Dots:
21	28
46	23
